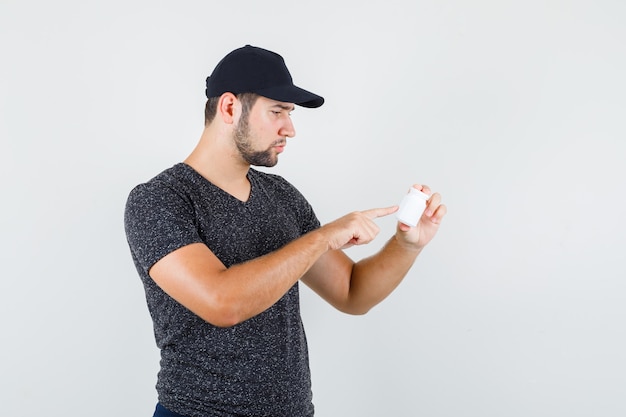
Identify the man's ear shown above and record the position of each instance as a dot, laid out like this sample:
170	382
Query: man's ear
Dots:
228	107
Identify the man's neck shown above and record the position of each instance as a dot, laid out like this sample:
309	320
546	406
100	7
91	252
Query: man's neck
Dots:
217	160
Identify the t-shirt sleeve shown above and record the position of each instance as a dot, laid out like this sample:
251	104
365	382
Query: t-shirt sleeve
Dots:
308	218
158	220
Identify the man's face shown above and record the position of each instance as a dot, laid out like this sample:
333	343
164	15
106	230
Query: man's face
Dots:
262	134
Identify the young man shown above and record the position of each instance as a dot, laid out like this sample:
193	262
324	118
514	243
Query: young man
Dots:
220	248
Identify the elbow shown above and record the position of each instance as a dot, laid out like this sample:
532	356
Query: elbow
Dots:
359	312
354	310
222	312
223	320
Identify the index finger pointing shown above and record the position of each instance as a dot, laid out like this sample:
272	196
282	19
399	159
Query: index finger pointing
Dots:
380	212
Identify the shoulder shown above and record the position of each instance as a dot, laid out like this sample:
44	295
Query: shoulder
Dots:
159	216
167	192
167	184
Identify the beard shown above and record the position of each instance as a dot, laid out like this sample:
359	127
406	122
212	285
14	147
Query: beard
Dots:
242	136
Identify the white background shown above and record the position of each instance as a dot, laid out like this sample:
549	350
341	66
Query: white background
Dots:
513	110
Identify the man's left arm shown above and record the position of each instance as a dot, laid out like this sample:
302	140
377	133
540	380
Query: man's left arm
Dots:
355	288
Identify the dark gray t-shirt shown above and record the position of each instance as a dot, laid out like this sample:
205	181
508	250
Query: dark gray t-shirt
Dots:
258	367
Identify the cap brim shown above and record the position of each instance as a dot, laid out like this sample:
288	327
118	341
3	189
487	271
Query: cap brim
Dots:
292	94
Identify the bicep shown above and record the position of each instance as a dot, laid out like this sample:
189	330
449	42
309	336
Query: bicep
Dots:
190	275
330	278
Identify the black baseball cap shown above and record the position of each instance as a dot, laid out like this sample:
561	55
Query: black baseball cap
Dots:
255	70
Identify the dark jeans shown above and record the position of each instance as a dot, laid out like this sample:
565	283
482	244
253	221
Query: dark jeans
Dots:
164	412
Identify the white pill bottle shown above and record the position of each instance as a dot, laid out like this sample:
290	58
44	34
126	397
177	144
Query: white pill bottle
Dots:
412	207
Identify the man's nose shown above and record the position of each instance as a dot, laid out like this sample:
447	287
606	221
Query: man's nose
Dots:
288	129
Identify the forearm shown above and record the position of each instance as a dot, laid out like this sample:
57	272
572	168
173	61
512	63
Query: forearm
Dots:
375	277
259	283
250	288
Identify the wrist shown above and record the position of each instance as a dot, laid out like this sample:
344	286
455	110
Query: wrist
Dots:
407	245
320	239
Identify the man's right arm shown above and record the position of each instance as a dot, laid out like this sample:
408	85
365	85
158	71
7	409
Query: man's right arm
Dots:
197	279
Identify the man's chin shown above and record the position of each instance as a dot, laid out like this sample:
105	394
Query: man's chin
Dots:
266	164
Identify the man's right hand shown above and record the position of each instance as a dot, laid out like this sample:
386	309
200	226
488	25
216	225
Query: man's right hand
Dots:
357	228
